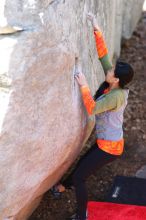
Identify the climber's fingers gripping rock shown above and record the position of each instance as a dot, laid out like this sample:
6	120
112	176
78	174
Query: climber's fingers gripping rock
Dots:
91	17
81	79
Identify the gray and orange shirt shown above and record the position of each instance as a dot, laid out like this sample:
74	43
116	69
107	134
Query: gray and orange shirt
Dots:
108	108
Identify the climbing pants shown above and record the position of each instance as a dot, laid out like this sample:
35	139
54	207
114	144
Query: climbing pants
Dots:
92	161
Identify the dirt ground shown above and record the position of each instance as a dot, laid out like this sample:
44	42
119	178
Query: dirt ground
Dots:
134	52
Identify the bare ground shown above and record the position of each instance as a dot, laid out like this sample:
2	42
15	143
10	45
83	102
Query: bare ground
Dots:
134	52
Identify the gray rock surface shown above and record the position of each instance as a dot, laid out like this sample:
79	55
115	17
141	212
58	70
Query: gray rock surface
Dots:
43	124
131	15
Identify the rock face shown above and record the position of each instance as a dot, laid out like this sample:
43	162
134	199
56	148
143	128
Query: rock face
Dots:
131	15
43	124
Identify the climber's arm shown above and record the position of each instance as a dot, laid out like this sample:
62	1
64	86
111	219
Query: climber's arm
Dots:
102	50
100	44
111	101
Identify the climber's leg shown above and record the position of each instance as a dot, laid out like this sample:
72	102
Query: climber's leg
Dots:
60	187
91	162
68	182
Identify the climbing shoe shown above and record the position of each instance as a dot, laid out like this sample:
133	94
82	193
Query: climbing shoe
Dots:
75	217
55	192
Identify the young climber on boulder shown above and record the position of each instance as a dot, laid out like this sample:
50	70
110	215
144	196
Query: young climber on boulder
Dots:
108	106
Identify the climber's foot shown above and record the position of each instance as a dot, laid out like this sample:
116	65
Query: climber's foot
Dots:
75	217
57	190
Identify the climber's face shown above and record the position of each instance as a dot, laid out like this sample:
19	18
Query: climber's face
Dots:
110	77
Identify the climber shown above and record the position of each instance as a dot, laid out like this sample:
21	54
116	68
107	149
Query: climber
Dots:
108	106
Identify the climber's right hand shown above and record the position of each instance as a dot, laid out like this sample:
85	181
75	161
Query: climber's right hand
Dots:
91	17
81	79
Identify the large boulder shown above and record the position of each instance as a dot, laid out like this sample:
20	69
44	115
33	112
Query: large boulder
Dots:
43	124
131	14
